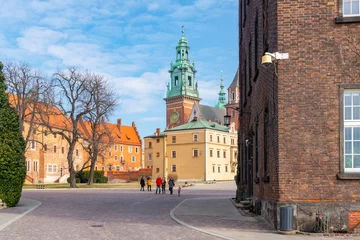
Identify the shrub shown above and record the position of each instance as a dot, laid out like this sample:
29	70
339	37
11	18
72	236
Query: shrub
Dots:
173	176
12	150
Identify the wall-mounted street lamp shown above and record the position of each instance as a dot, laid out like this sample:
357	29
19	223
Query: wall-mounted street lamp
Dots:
269	58
227	117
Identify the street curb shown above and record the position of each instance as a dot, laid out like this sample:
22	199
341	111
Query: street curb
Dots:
192	227
21	215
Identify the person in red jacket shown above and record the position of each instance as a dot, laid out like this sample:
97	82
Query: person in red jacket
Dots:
158	184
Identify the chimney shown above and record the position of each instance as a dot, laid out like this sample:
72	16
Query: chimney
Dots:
118	124
158	132
133	124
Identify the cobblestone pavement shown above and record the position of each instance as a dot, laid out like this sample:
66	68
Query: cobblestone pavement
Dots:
131	214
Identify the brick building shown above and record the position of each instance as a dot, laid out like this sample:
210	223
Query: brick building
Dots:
299	123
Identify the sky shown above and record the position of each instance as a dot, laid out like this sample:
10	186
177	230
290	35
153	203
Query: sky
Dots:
129	42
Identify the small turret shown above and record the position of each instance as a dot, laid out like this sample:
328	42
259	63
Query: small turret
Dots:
222	99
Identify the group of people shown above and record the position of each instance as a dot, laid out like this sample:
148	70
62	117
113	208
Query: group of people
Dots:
160	185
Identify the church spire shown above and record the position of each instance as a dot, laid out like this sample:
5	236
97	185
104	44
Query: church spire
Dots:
222	99
182	72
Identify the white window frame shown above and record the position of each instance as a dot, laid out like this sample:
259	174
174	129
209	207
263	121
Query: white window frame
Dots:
211	153
197	152
121	148
224	154
351	14
35	165
116	157
117	167
136	150
133	159
213	168
226	168
173	168
173	154
195	137
218	153
115	147
219	168
352	124
32	145
51	168
129	149
150	157
211	137
28	165
121	159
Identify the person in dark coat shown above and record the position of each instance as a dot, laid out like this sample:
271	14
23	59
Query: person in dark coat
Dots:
171	185
163	185
142	183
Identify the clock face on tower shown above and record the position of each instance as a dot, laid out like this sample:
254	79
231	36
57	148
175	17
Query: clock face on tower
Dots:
174	118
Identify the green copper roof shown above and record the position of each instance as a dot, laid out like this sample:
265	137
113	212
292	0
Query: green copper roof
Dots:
200	124
182	72
222	99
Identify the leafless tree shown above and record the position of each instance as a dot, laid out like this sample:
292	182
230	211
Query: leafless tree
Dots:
27	87
98	137
72	98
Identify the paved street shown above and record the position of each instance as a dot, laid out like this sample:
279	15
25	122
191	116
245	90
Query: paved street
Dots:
131	214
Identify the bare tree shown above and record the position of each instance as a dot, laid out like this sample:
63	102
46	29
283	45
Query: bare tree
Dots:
97	135
72	99
27	87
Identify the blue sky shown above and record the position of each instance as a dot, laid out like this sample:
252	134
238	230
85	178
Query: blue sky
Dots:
130	42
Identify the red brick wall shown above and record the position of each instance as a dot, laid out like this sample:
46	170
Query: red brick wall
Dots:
303	101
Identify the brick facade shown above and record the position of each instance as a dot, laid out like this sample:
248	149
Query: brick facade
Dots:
289	140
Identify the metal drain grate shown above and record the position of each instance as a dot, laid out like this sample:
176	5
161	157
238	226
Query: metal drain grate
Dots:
96	225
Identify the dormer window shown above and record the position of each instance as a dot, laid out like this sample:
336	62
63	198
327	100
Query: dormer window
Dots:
176	81
189	81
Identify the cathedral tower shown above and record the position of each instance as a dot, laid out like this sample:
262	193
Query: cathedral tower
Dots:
182	91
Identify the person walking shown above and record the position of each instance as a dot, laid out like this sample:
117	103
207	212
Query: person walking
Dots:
142	183
158	184
163	185
171	185
179	190
148	183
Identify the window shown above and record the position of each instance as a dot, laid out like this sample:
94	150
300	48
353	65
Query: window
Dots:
136	149
196	153
351	8
122	159
150	144
211	152
103	168
36	165
224	140
130	149
218	139
218	168
54	149
224	154
117	168
213	168
173	154
157	170
121	148
51	168
352	131
157	140
211	138
96	168
158	154
115	147
28	165
150	157
176	81
226	168
218	153
189	81
233	95
32	145
109	154
195	137
173	139
62	150
45	147
116	157
133	159
173	168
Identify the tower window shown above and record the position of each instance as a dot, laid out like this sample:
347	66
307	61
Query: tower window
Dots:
178	55
233	96
176	81
189	81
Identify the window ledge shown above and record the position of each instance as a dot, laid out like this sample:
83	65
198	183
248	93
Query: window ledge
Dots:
347	19
348	176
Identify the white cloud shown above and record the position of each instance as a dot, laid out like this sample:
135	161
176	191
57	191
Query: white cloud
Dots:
37	39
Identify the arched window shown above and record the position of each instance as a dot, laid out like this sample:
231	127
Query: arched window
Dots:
233	95
176	81
189	81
